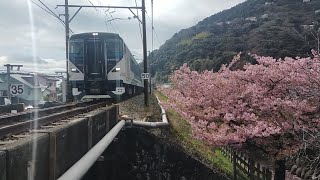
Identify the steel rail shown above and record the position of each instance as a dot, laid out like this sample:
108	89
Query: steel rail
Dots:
29	115
30	124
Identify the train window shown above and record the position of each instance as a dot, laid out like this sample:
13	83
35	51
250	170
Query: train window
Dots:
76	55
135	68
124	48
114	49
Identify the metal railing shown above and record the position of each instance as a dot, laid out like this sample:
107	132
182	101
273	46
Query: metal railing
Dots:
80	168
162	123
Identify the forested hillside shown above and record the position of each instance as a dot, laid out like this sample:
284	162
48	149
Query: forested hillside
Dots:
275	28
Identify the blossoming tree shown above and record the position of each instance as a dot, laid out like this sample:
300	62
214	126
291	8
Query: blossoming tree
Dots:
255	103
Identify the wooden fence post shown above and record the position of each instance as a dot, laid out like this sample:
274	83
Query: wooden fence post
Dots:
259	170
280	170
234	165
251	169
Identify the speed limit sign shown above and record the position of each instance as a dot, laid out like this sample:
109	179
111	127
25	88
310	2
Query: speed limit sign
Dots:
145	75
16	89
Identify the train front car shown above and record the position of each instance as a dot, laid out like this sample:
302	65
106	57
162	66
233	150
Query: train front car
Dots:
99	66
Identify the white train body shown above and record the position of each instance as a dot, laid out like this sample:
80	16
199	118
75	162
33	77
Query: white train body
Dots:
101	66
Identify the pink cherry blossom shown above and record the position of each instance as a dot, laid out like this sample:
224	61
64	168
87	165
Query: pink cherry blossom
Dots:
272	97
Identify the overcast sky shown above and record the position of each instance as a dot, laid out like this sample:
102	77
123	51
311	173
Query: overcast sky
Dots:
170	16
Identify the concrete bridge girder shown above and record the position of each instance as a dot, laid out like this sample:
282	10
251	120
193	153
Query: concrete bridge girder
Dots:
58	147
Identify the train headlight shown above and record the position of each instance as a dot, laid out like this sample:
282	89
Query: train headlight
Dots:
117	69
95	34
74	70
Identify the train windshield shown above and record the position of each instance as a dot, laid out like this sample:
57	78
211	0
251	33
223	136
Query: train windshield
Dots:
76	55
114	49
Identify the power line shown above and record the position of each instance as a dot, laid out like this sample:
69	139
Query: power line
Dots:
139	22
49	3
106	18
112	18
155	32
48	10
43	8
93	5
99	2
114	22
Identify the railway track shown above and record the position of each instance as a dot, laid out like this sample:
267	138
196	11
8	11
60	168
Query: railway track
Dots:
17	123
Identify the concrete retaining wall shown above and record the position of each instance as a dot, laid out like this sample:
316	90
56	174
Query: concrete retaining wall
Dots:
99	124
3	169
59	146
20	162
68	143
113	116
8	108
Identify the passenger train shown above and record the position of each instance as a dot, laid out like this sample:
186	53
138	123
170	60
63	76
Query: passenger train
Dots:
101	66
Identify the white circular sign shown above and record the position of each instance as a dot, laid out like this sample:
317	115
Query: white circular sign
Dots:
16	89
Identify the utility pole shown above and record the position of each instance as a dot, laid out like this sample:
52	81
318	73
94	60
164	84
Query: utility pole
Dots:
145	62
9	68
66	15
149	66
63	85
8	81
152	29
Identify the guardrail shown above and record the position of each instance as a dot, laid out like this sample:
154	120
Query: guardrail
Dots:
163	122
80	168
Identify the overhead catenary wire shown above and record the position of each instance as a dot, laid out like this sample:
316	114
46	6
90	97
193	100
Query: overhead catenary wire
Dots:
43	8
105	15
49	4
106	24
155	32
139	22
117	31
115	23
106	18
54	14
50	12
107	21
93	5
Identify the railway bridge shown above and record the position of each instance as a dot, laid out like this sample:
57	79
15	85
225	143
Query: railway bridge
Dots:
61	142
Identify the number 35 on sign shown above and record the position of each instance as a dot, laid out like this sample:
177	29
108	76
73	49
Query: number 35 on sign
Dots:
16	89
